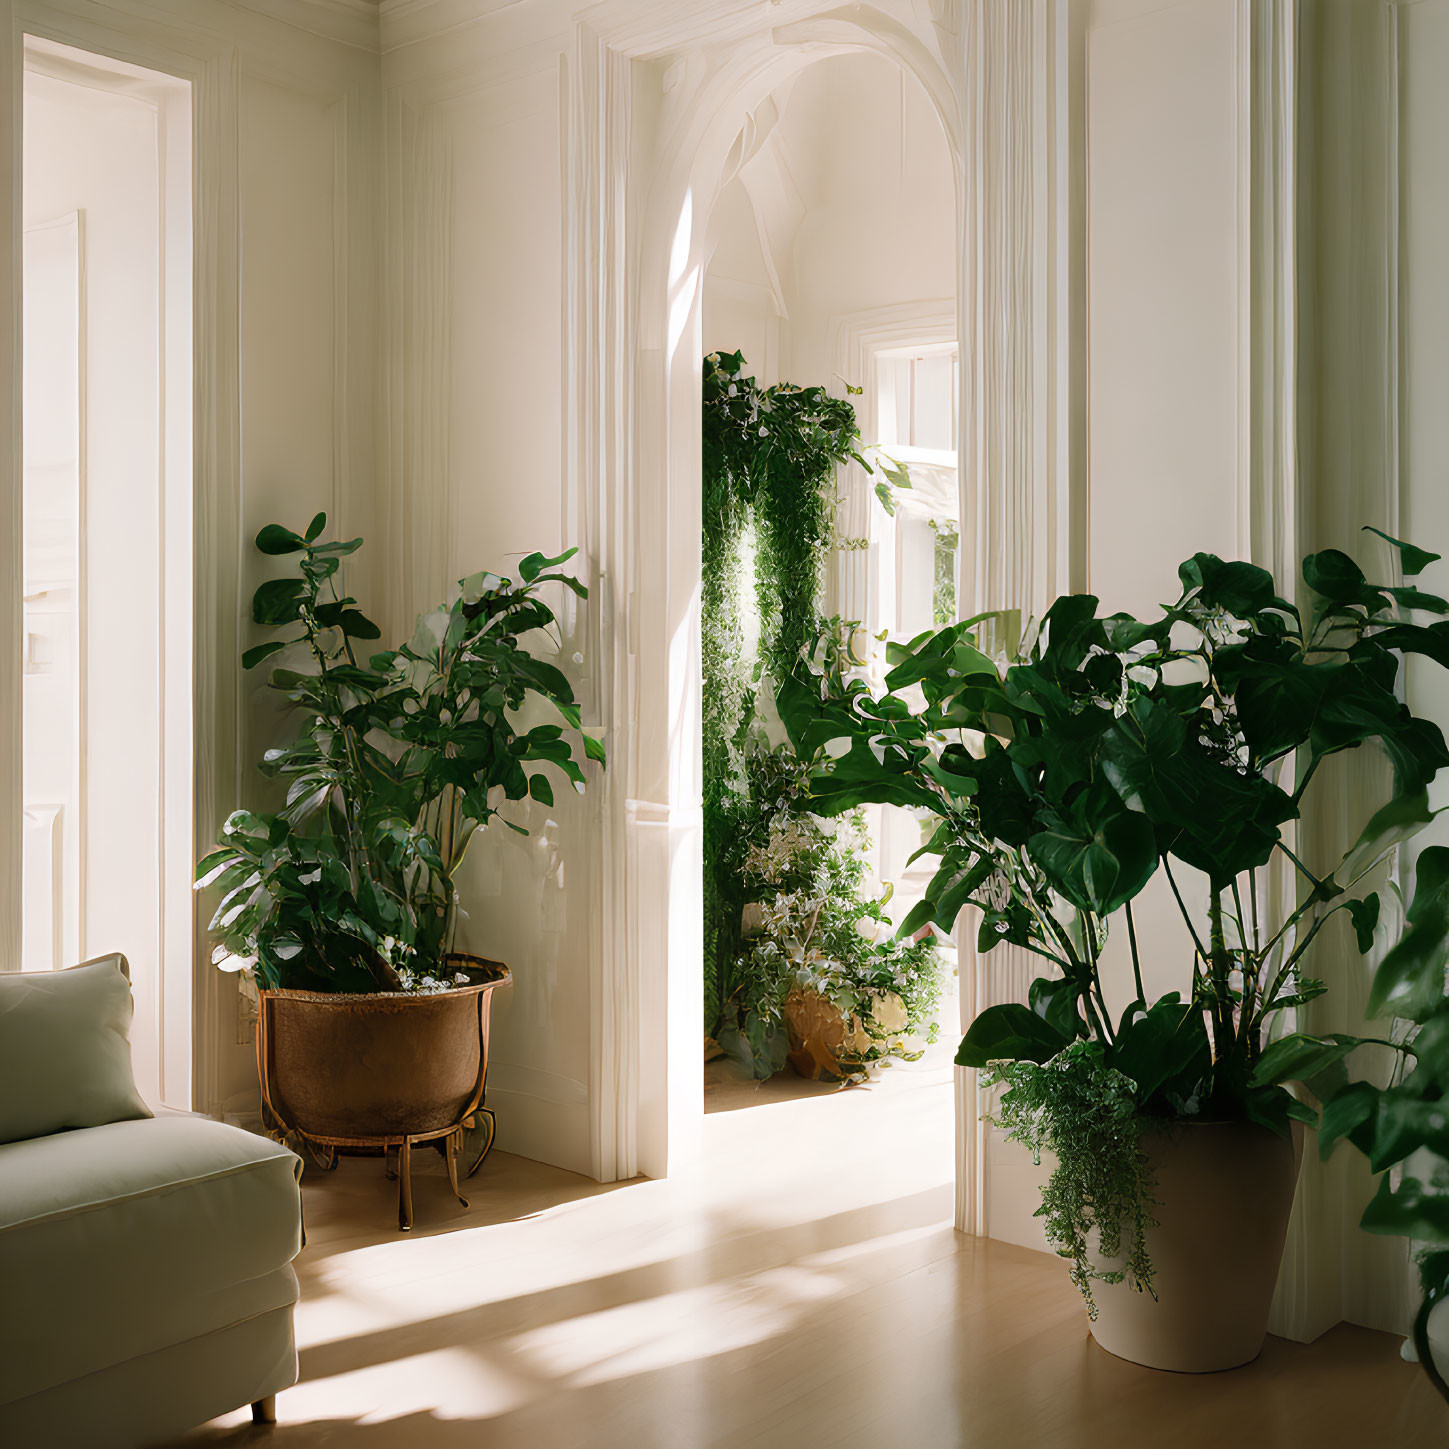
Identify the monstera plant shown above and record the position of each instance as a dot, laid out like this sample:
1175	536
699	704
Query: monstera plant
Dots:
1107	750
399	759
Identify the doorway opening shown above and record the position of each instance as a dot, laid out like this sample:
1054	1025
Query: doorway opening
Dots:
832	263
107	497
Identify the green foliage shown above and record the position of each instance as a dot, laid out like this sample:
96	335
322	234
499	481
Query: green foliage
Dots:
1080	1109
767	455
1106	749
817	929
770	456
943	587
1404	1126
397	763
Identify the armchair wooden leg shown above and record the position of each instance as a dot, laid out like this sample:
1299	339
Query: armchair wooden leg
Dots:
264	1411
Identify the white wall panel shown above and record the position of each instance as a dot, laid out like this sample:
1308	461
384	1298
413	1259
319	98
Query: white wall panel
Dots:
286	415
1424	312
528	900
1163	296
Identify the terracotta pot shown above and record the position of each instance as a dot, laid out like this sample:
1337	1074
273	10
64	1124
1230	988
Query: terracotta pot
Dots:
817	1029
384	1069
1224	1193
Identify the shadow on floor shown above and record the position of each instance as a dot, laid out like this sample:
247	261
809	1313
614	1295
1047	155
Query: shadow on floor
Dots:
733	1251
728	1089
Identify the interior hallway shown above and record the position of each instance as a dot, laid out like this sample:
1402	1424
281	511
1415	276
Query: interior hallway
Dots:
801	1287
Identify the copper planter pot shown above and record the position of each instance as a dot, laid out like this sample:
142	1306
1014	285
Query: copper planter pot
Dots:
381	1070
1224	1193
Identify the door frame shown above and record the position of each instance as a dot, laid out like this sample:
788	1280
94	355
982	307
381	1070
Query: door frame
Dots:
656	101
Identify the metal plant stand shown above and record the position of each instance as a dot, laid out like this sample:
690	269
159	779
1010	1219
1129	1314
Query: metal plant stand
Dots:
343	1072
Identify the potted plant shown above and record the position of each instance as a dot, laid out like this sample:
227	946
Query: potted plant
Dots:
342	903
1064	778
818	979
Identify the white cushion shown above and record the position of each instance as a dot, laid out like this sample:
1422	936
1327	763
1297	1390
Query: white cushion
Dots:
129	1238
65	1050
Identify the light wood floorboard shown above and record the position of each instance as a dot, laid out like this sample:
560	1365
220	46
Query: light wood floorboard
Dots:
800	1288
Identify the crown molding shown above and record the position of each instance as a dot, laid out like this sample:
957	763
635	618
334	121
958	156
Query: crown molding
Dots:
349	22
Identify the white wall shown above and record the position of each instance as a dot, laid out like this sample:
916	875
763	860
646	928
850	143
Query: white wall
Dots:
852	197
475	379
528	900
1424	313
1162	294
1164	298
287	420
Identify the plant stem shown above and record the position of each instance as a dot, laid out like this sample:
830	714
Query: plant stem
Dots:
1245	1015
1136	960
1284	971
1308	874
1182	906
1089	935
1220	1004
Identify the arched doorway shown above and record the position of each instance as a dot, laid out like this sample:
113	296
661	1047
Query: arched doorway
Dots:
658	107
831	263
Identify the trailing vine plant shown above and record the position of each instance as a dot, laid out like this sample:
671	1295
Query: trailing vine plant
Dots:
769	461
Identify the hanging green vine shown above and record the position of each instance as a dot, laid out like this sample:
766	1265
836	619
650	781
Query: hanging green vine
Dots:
769	462
767	455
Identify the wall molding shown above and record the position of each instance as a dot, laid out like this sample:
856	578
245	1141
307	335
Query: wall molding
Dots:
1021	531
357	23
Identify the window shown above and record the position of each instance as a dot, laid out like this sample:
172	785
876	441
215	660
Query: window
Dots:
916	398
914	549
916	410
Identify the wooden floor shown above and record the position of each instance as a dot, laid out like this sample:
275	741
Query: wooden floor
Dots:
801	1288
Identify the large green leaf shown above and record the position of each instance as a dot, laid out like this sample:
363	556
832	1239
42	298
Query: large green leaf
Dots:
1297	1057
1101	856
1391	825
1166	1045
1411	559
1241	588
1405	1123
1365	917
1339	579
532	566
274	539
1277	702
254	656
1012	1033
356	625
1057	1001
1349	1113
1413	1210
1071	629
278	601
1410	978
